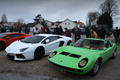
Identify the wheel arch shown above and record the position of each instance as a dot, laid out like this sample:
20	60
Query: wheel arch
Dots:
40	47
100	58
69	41
4	43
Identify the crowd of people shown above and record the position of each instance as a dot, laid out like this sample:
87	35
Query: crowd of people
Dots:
91	32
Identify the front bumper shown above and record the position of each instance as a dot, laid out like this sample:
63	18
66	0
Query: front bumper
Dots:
20	56
73	70
15	56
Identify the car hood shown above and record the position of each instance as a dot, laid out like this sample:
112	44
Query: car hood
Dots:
17	45
77	50
70	56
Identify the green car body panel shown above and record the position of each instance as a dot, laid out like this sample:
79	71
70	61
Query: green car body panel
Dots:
68	57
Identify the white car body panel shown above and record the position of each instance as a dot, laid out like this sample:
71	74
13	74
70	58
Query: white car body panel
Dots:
14	48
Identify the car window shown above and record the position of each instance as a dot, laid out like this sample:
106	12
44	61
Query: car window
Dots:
50	39
107	44
1	35
90	44
13	36
33	39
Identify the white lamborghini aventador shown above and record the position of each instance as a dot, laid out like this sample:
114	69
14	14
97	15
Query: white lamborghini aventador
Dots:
36	46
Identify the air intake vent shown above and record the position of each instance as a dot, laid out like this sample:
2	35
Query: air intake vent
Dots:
64	53
75	56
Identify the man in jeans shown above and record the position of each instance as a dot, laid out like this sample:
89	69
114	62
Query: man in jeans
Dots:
116	35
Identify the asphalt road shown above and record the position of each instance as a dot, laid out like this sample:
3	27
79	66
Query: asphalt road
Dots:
43	70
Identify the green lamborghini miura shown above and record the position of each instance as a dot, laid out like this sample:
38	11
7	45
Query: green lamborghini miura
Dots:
85	56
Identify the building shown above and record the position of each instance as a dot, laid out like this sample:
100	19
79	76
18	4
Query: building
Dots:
35	24
67	23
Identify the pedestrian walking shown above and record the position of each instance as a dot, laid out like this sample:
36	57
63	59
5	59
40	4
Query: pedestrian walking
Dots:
116	34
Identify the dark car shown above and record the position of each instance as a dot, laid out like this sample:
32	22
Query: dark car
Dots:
108	33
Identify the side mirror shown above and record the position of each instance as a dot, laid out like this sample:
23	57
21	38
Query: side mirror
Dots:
70	44
46	41
8	37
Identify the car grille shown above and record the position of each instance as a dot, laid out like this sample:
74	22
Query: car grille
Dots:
66	68
11	56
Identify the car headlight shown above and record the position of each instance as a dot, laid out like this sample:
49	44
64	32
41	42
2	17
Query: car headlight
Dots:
52	54
23	49
83	62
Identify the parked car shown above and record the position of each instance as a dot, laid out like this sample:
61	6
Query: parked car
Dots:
85	56
36	46
7	38
108	33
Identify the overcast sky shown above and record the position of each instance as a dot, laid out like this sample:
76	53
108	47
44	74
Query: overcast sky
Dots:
52	10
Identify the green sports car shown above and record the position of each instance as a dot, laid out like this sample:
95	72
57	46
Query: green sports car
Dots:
85	56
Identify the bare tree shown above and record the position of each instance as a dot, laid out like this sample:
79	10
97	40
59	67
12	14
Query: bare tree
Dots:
109	6
92	16
21	21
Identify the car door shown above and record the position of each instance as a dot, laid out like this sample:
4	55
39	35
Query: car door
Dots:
108	50
51	43
12	37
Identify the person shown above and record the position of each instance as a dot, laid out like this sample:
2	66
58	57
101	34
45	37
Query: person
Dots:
77	32
11	29
42	30
47	30
67	33
116	34
102	33
95	28
19	30
60	30
87	30
94	34
56	30
27	30
35	30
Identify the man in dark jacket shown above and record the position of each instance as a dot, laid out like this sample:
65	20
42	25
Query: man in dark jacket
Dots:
116	35
77	33
87	31
102	33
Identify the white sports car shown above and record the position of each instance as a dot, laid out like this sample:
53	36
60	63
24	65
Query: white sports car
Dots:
36	46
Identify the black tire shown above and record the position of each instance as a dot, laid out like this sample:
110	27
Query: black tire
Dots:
114	54
2	46
96	67
39	53
68	43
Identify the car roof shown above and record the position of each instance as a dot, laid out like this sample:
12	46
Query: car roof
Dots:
47	35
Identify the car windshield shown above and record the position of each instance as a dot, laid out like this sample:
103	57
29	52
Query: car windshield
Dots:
33	39
2	34
90	44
